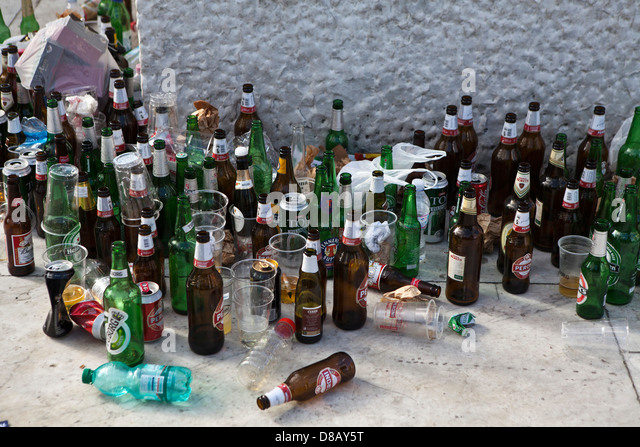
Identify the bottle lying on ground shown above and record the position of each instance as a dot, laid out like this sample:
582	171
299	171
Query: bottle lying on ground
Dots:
385	278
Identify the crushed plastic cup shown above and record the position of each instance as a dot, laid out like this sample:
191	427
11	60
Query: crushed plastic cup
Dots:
423	319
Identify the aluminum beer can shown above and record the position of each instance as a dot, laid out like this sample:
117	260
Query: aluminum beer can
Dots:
480	183
262	270
436	190
152	310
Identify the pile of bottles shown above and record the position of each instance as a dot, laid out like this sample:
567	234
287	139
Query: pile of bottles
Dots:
140	219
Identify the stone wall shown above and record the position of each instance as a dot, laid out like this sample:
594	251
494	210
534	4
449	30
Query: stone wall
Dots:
397	64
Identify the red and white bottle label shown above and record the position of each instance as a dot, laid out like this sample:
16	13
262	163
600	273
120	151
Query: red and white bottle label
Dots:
203	258
570	200
105	207
248	103
218	316
374	274
532	123
596	129
138	186
450	128
22	248
521	222
583	290
142	116
145	246
118	141
120	100
220	152
465	118
327	378
362	292
522	266
588	179
509	135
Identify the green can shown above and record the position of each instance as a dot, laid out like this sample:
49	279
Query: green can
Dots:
436	190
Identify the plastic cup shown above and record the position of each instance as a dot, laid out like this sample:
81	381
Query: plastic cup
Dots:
244	274
379	235
573	251
287	249
252	305
227	287
76	290
61	222
216	239
210	200
422	319
597	334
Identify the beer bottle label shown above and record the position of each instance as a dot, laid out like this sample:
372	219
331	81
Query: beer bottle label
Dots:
265	215
244	184
247	103
465	118
311	321
557	158
532	123
105	207
22	248
450	128
522	266
599	244
522	184
145	152
521	222
138	186
614	259
327	378
142	116
118	141
375	274
6	100
117	331
570	200
188	227
538	217
218	316
596	129
588	178
455	267
191	189
464	175
583	290
61	111
220	152
82	192
203	258
41	170
328	247
361	293
12	58
509	133
145	246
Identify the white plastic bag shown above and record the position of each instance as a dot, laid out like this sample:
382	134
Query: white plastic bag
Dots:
618	140
404	156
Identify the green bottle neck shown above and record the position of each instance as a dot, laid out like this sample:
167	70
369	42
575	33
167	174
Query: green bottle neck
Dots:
634	131
120	273
409	208
185	227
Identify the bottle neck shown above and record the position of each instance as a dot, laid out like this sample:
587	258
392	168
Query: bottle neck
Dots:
120	268
352	233
465	117
14	126
450	127
468	211
285	167
309	264
409	209
588	178
120	99
85	196
522	184
145	245
160	164
220	150
247	103
532	123
337	123
184	223
138	185
108	149
316	246
54	125
596	128
377	185
41	170
634	131
521	222
464	175
105	207
599	244
265	215
509	134
203	256
556	162
151	221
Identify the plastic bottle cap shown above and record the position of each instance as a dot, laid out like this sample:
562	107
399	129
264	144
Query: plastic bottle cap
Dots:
285	322
87	376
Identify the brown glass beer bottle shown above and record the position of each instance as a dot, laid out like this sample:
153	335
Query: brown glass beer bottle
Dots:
518	250
504	166
468	135
17	230
531	145
549	199
449	142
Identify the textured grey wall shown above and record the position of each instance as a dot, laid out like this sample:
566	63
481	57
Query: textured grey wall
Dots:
398	64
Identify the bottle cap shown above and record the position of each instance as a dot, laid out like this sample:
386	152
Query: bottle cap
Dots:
87	376
283	327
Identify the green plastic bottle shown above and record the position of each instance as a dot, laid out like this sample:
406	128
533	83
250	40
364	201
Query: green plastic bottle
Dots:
407	258
147	382
122	302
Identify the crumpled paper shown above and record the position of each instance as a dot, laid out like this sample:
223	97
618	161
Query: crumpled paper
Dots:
404	293
208	116
492	227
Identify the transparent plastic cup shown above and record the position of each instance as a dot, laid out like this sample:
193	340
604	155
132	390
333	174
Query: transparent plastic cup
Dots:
252	306
227	287
379	235
573	251
423	319
287	249
76	289
591	335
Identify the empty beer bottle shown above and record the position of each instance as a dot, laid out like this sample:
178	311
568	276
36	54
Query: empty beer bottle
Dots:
147	266
87	214
15	134
518	249
549	199
465	254
603	210
17	230
328	159
107	228
588	196
166	192
204	300
226	173
390	189
313	241
350	278
148	217
107	146
629	153
346	201
209	177
191	185
260	164
567	220
594	274
181	251
245	207
248	111
308	301
39	104
596	131
182	162
504	166
336	136
28	25
521	194
624	179
531	145
408	233
122	300
90	163
285	181
265	227
67	129
108	179
54	127
468	135
24	107
308	382
385	278
449	142
376	197
455	217
122	114
40	189
61	149
623	244
144	150
595	154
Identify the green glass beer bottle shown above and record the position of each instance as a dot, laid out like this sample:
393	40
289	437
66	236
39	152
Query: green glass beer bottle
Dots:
623	244
337	135
329	233
28	24
122	301
182	246
328	159
603	210
629	153
594	273
166	192
407	258
260	165
390	189
182	163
